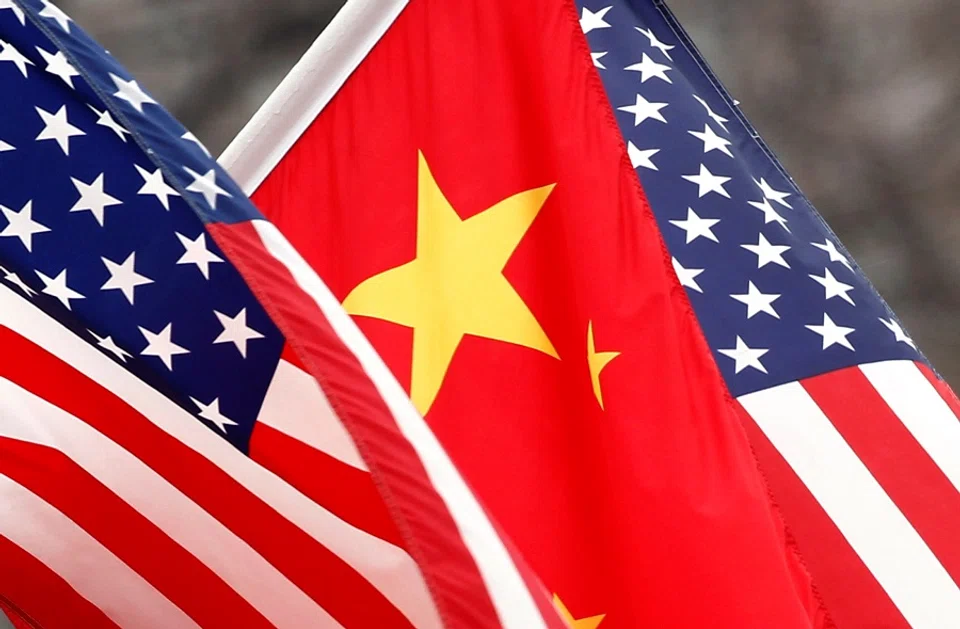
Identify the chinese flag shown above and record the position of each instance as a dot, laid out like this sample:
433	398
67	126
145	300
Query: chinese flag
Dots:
468	196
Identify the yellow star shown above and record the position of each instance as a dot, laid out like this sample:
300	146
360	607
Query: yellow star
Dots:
597	361
585	623
455	285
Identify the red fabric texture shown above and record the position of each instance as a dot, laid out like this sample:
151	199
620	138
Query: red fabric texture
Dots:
342	489
651	511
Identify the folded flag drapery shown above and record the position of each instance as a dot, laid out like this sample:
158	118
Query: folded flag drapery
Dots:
641	344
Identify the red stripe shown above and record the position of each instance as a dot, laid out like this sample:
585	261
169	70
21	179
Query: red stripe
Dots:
843	580
340	488
942	388
431	535
41	595
902	467
136	541
321	574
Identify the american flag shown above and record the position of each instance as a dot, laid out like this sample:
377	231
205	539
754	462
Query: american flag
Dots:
858	437
167	458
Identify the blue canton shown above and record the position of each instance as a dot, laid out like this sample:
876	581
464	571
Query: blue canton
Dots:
103	199
777	295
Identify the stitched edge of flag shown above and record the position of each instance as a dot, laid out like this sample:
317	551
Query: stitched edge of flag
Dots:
596	83
501	576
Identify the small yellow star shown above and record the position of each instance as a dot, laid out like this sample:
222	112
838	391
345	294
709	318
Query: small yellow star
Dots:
584	623
597	361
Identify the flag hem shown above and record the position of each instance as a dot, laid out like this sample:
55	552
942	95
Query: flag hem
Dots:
596	83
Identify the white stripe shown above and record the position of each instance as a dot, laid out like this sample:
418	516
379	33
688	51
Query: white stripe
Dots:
919	406
27	417
876	529
296	406
387	567
295	104
93	571
511	598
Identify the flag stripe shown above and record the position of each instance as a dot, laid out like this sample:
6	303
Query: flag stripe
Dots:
296	406
876	529
31	586
846	585
388	568
345	491
921	409
880	440
123	595
177	574
321	574
33	419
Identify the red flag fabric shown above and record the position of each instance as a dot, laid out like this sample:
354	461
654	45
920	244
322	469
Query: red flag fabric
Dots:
468	196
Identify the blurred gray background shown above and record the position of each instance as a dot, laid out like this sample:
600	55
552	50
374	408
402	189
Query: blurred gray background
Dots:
859	98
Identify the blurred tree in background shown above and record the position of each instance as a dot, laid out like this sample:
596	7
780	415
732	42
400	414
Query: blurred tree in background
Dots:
858	98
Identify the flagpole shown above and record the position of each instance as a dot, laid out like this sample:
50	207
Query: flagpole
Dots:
307	89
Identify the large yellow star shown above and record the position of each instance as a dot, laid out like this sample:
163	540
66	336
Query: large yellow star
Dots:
596	361
455	285
584	623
